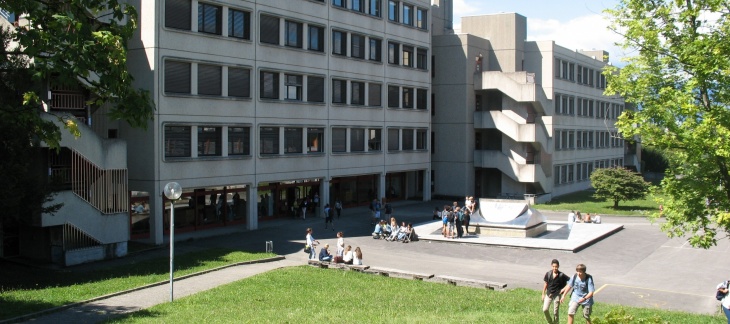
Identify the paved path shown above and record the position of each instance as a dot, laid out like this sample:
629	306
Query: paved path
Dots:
637	266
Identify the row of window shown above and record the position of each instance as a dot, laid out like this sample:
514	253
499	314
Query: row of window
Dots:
569	173
275	140
584	75
296	87
566	105
584	139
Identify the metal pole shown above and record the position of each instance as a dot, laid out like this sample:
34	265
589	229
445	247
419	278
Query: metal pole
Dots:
172	243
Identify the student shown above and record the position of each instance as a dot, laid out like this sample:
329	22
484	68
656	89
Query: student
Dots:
555	281
338	208
571	219
357	256
324	253
340	244
348	255
312	243
583	289
328	215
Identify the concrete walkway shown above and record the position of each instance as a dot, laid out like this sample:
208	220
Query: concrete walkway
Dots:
636	266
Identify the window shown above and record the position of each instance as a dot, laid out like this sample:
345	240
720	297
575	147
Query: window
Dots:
375	50
408	15
339	3
209	18
408	56
315	89
374	139
421	139
339	140
239	24
315	139
407	139
339	42
177	141
209	80
209	141
316	38
357	46
393	10
375	8
339	91
239	82
357	140
293	85
177	14
393	139
358	5
374	91
177	77
421	99
269	137
393	53
239	141
357	96
421	55
393	97
269	29
407	97
422	18
292	140
293	31
269	85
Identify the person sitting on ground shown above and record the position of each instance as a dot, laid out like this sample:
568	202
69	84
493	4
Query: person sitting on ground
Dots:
587	218
324	253
596	219
347	257
402	232
578	217
394	231
357	257
378	231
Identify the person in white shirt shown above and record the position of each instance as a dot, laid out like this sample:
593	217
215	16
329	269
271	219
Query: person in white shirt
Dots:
725	302
348	255
571	219
357	257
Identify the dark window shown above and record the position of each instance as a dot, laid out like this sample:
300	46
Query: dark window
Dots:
407	139
421	55
374	96
421	139
293	34
239	82
407	97
374	139
315	140
209	18
177	14
393	97
375	50
269	85
269	137
358	93
393	139
239	141
422	18
339	91
239	24
358	46
177	141
339	42
315	89
339	140
209	141
269	29
393	53
209	80
421	99
357	140
293	140
177	77
393	10
316	38
293	84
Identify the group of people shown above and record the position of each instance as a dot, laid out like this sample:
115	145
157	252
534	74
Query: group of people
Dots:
455	218
344	254
558	285
577	217
394	233
380	209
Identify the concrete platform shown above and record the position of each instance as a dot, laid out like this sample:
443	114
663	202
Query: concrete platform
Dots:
557	236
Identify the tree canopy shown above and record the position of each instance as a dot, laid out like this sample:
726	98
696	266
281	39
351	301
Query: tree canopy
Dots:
678	78
618	184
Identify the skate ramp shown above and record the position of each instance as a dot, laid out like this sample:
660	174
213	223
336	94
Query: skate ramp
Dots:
506	213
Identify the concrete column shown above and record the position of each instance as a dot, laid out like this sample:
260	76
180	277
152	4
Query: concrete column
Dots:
252	218
381	186
427	185
157	212
324	193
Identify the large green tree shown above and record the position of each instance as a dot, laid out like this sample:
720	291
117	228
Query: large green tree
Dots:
678	75
618	184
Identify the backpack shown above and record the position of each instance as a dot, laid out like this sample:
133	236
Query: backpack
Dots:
451	217
588	277
719	295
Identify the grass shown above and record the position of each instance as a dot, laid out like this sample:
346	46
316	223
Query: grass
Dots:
24	291
312	295
584	202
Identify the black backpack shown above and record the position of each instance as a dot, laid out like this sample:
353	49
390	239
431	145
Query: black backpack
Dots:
450	217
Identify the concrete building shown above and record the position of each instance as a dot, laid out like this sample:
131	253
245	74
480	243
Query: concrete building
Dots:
515	118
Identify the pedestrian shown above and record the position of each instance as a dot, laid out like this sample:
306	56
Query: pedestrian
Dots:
555	281
340	244
312	243
303	206
388	210
436	213
571	219
328	213
338	207
723	288
583	289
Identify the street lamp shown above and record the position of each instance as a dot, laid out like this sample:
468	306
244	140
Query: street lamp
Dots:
172	191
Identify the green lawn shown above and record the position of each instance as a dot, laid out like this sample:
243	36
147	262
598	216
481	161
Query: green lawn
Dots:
312	295
24	291
586	203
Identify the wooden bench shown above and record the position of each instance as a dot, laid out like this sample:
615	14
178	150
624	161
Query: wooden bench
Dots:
332	265
456	281
399	273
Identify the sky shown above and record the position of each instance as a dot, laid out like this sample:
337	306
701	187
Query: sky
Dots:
574	24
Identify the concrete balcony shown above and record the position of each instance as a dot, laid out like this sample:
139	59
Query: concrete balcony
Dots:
522	132
517	170
519	86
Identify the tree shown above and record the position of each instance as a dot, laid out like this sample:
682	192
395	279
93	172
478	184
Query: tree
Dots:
678	79
618	184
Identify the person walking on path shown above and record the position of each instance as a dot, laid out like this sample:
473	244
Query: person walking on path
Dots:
312	243
328	215
338	207
583	289
724	287
555	281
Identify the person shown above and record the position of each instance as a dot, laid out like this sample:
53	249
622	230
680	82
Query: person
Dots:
312	243
596	219
375	211
338	207
436	213
571	219
587	218
468	211
315	202
340	244
578	217
450	222
303	206
357	256
459	220
555	281
388	210
445	220
378	231
324	253
583	289
724	288
393	230
402	232
328	215
348	255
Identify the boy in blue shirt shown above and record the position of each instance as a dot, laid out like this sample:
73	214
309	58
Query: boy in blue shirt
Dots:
583	289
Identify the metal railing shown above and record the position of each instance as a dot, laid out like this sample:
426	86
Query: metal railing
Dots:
75	238
106	190
76	101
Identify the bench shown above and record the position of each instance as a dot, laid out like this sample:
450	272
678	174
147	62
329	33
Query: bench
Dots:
399	273
331	265
456	281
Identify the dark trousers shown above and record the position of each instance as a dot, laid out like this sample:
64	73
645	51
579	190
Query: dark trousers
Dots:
459	229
